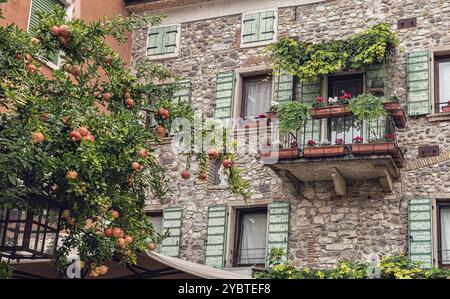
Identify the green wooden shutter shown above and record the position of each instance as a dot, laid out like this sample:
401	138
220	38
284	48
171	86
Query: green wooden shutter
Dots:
420	231
278	227
217	235
376	75
155	41
309	91
224	97
283	90
418	83
266	28
251	26
183	92
169	39
43	6
172	222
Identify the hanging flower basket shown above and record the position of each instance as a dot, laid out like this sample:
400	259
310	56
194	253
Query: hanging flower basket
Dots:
330	111
324	151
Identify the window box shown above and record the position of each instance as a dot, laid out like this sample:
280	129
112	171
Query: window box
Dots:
446	109
330	112
397	112
392	107
324	151
282	153
382	148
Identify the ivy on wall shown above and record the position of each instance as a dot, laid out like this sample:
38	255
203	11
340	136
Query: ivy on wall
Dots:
309	60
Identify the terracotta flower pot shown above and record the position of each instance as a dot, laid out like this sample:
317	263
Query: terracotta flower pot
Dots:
330	111
392	106
285	153
446	109
324	151
373	148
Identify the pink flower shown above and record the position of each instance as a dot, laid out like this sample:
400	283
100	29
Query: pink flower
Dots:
390	136
311	142
339	141
294	144
345	96
320	99
358	139
262	115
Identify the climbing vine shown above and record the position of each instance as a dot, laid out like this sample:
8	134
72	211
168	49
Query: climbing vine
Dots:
309	60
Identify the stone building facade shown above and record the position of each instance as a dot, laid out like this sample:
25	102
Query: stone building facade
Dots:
323	226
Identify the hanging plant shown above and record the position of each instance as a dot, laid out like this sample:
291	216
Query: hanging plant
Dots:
309	60
293	116
367	107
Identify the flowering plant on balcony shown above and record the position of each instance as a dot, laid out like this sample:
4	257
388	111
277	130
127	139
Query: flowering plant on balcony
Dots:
345	98
320	102
339	141
311	143
333	101
358	139
294	143
261	116
389	136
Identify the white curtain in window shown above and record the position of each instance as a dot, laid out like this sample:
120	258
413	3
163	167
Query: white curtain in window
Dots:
444	83
253	239
445	235
258	97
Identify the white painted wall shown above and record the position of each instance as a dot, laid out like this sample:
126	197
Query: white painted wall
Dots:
220	8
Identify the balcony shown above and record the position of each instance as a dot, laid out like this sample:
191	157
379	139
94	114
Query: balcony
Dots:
354	152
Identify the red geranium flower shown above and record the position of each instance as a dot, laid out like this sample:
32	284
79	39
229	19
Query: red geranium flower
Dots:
320	99
339	141
358	139
311	142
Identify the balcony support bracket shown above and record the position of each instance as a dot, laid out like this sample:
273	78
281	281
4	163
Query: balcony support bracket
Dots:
340	185
386	180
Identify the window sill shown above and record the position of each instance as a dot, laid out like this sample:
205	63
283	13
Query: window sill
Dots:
163	56
437	117
256	44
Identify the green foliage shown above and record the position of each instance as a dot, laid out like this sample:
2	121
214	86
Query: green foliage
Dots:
5	270
292	116
392	267
56	105
308	61
367	107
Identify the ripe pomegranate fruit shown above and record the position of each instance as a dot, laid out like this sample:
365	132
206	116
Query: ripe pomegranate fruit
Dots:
64	31
71	175
83	131
115	214
135	166
151	246
37	137
163	113
185	174
128	239
75	135
68	68
31	68
161	131
130	103
117	232
55	30
109	232
143	154
107	96
213	154
76	71
227	163
121	242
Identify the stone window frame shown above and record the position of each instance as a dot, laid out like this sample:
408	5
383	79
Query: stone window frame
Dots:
69	8
175	53
232	207
260	43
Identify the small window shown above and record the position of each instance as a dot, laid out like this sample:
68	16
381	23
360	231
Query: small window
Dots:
444	234
442	83
250	237
43	6
258	27
157	219
163	40
257	95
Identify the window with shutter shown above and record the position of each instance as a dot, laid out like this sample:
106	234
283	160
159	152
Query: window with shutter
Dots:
172	221
418	83
163	40
307	93
223	109
216	236
420	231
183	92
283	88
43	6
278	227
258	28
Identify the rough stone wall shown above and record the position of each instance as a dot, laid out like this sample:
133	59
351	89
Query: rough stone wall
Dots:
323	227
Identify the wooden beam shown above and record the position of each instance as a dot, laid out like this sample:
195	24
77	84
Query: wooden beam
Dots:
340	186
386	180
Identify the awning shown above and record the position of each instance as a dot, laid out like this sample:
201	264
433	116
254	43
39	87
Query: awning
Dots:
150	265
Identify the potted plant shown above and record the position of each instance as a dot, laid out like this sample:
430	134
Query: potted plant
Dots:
398	113
292	116
392	105
385	146
446	108
325	149
272	111
335	108
345	98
